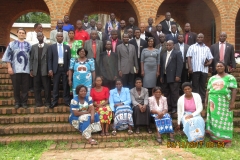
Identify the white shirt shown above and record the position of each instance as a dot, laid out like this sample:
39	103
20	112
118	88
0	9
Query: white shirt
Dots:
169	25
181	46
100	34
158	33
42	45
86	24
60	60
174	34
32	38
143	35
138	43
168	55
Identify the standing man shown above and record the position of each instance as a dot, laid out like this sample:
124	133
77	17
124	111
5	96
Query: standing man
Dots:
139	45
59	56
53	33
122	28
86	25
173	35
130	33
127	60
223	51
144	33
112	24
115	40
39	71
101	35
66	25
17	57
32	36
108	65
92	26
94	48
183	48
166	24
131	22
81	34
189	37
150	28
199	58
156	33
171	69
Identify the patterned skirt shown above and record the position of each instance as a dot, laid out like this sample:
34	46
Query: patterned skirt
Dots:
194	127
123	117
164	125
105	113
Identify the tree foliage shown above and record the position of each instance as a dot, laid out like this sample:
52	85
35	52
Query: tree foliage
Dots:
34	17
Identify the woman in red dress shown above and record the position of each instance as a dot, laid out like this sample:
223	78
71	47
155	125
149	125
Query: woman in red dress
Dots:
100	97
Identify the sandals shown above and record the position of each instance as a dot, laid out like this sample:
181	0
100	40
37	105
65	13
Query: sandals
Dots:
114	133
107	134
93	142
102	134
137	131
149	131
159	140
130	132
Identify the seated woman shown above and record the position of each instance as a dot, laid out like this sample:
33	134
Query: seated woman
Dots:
82	114
189	109
141	111
159	108
100	97
120	101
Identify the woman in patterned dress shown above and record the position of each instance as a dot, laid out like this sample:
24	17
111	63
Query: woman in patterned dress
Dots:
159	108
81	71
220	98
82	114
100	97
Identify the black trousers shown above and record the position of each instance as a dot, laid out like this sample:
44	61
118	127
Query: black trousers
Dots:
128	80
171	91
18	80
110	84
66	89
40	81
199	80
184	78
31	82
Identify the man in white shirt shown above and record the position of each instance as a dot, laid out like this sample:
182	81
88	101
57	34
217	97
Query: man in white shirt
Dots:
32	36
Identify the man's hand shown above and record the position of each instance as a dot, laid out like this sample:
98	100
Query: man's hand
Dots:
136	71
177	79
190	70
157	74
31	73
10	71
161	80
142	73
50	73
120	73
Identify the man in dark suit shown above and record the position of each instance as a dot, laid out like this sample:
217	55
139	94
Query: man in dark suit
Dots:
166	24
115	41
183	48
171	69
59	56
139	45
131	21
189	37
122	29
223	51
156	34
150	28
108	65
144	33
92	26
39	72
86	24
130	33
94	48
127	60
102	36
173	35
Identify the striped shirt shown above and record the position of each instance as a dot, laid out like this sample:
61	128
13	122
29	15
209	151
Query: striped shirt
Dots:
199	54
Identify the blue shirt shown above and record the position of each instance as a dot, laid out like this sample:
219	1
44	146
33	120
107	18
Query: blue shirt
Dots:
18	54
199	54
123	97
67	28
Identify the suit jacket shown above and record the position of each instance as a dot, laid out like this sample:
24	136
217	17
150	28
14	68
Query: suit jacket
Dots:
99	49
127	58
139	99
174	66
89	30
143	44
156	37
170	37
177	47
108	65
192	38
53	35
34	60
163	49
165	28
153	29
133	27
229	58
104	38
118	43
53	57
84	27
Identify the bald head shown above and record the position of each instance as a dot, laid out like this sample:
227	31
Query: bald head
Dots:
170	45
131	21
200	38
142	27
59	37
223	37
60	24
162	37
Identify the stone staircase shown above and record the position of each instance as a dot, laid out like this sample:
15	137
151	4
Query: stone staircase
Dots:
43	123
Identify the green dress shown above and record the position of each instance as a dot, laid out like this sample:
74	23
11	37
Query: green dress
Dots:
219	122
75	46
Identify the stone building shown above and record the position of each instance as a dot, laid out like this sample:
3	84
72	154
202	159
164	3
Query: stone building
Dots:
206	16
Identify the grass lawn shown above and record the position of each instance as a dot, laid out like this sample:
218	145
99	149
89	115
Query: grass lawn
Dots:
23	150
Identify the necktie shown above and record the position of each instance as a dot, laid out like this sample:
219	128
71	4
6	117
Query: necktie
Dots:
222	52
94	48
186	38
60	51
168	22
108	53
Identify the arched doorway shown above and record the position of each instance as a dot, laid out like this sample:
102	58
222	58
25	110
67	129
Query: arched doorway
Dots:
201	14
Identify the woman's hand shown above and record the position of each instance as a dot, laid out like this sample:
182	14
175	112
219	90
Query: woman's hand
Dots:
70	83
160	115
231	106
144	107
189	116
117	104
92	119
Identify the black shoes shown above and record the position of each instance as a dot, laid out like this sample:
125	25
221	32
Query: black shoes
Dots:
53	105
24	105
16	106
66	104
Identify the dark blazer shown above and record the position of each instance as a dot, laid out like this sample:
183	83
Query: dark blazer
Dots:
177	47
127	58
229	57
170	37
174	66
163	49
153	29
84	27
165	28
133	27
53	57
104	38
192	38
34	60
143	44
156	38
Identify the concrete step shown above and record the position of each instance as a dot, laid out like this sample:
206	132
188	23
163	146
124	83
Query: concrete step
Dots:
9	94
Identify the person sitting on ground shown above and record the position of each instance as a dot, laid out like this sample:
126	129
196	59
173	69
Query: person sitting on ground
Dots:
189	109
82	114
159	108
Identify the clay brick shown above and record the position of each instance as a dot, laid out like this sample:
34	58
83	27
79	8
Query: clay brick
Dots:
74	146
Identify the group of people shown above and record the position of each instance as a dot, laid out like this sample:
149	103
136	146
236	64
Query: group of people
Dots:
100	67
